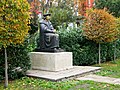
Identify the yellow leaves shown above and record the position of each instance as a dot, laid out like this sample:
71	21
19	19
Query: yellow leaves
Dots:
13	26
100	26
16	26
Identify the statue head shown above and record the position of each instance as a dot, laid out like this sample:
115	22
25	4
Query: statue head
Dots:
47	16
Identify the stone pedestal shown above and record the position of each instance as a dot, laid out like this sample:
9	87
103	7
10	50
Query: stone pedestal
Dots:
51	61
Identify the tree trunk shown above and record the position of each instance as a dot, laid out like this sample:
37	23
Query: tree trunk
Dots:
114	50
99	55
6	68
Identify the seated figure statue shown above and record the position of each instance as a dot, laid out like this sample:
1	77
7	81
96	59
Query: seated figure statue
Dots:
49	40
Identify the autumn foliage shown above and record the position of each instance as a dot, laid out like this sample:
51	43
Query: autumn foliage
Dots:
100	26
14	15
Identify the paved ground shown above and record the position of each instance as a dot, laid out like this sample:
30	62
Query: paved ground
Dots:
61	75
100	79
82	72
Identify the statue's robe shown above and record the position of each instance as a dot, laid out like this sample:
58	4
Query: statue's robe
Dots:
48	38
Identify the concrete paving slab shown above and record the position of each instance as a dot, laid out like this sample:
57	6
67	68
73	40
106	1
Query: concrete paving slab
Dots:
100	79
61	75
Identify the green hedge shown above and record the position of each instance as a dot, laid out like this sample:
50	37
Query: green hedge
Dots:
17	57
85	52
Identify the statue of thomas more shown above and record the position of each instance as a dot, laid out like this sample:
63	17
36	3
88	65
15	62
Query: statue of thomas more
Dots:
49	40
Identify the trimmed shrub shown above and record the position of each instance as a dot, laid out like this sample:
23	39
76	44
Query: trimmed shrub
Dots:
100	26
14	16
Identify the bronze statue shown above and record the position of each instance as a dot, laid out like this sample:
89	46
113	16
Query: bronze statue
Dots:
49	40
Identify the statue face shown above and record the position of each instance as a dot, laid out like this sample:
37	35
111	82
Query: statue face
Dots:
48	17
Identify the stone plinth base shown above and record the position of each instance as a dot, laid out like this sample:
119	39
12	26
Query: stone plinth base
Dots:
72	73
51	61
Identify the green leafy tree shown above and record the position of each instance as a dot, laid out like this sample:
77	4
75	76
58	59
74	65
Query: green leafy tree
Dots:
113	6
61	16
14	15
100	27
62	13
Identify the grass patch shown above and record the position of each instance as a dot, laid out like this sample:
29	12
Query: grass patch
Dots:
111	69
27	83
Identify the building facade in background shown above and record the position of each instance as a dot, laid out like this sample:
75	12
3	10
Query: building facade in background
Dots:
82	5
